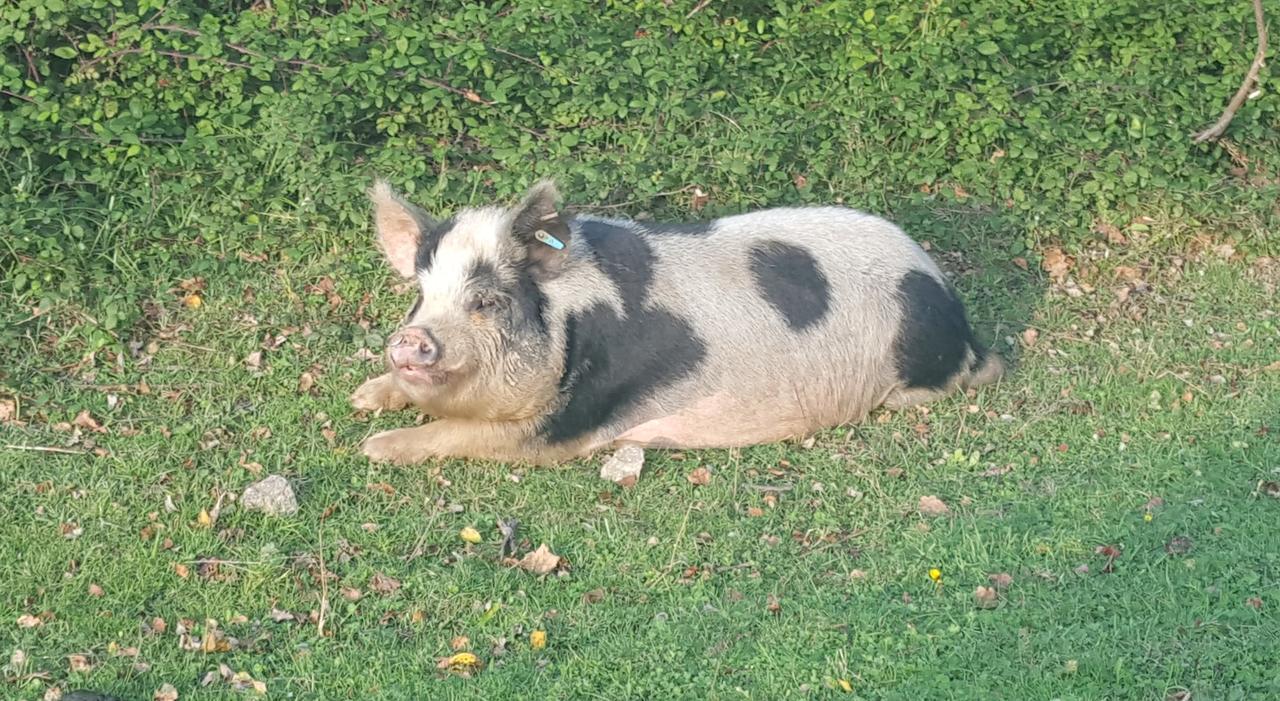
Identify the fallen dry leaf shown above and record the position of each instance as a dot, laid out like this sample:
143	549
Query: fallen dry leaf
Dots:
8	410
95	590
351	594
79	663
774	606
700	476
166	692
540	561
1029	337
26	620
1271	489
1000	581
181	570
460	642
985	597
1057	263
463	663
594	596
383	584
86	421
306	381
1254	602
932	506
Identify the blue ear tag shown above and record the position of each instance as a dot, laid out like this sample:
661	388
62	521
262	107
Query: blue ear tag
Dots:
549	239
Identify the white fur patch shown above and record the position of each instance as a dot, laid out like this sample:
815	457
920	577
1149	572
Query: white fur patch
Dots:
477	235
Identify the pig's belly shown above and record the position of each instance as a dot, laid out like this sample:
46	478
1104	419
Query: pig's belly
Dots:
722	421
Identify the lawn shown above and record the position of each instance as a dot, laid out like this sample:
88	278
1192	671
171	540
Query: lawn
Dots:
190	290
1142	423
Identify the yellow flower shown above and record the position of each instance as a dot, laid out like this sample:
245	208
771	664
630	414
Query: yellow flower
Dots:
192	301
538	639
935	574
1147	517
470	535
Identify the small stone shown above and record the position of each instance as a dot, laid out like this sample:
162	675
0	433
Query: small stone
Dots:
272	495
626	462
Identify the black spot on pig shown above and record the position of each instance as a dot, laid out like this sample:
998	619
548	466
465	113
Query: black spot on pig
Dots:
525	302
429	241
934	335
789	279
614	362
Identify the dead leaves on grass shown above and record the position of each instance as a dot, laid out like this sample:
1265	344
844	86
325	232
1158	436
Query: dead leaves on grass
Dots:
540	561
932	506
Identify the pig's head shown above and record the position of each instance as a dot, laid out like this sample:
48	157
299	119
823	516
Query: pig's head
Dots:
476	344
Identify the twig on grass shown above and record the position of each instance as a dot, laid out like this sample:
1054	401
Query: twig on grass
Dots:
46	449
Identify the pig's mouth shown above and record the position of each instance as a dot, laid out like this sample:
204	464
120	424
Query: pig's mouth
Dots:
422	375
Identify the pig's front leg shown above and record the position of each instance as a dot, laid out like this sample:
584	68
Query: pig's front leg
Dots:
455	438
379	394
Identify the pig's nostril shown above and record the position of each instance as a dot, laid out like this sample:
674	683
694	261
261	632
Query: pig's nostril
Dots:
428	351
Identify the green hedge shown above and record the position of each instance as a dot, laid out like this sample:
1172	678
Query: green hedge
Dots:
143	142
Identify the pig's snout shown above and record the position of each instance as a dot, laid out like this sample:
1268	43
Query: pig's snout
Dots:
414	347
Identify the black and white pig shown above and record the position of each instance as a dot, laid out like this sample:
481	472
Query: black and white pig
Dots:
539	336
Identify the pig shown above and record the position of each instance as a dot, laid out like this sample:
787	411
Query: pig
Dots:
540	336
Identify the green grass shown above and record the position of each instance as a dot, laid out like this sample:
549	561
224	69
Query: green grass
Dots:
1164	396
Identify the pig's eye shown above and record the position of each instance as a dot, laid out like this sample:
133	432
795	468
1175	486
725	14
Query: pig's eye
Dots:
481	303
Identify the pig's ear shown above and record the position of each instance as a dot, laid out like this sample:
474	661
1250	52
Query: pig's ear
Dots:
542	229
400	227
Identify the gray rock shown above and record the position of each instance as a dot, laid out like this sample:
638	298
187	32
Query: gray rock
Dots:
625	462
272	495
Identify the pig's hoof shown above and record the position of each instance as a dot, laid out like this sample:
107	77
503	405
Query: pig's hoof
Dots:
375	395
390	447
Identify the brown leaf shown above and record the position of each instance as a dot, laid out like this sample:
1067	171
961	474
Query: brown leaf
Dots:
1111	231
755	511
79	663
181	570
1021	262
460	642
383	584
253	361
166	692
1271	489
1254	602
699	200
86	421
8	411
1029	337
1057	263
700	476
932	506
351	594
1179	545
594	596
1000	581
280	615
985	597
95	590
774	606
540	561
305	382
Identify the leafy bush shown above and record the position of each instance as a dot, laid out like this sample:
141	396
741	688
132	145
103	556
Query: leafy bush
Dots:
145	142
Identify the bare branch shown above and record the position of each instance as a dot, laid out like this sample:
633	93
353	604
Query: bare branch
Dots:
1246	87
